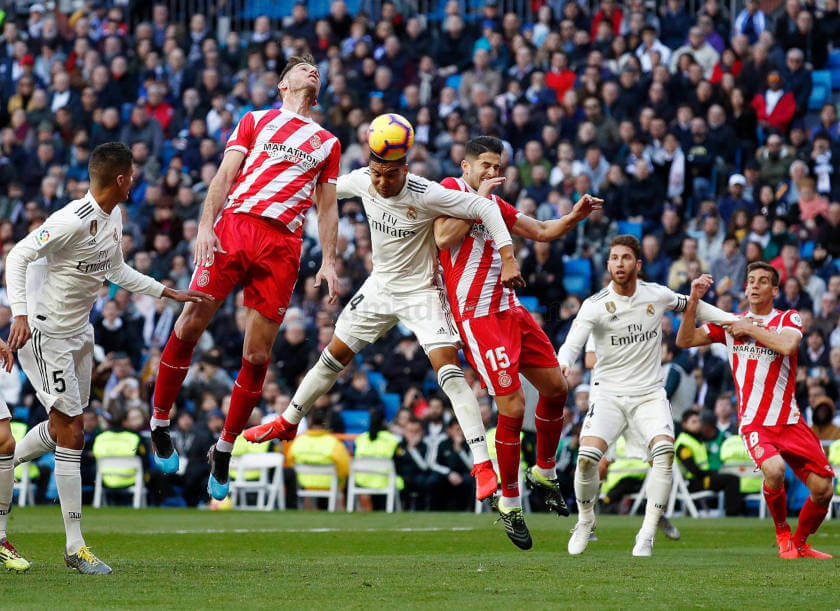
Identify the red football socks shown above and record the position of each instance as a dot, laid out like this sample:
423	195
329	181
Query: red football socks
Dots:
777	504
810	518
549	425
246	394
174	365
508	451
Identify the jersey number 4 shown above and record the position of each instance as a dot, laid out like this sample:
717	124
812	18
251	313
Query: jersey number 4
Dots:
497	358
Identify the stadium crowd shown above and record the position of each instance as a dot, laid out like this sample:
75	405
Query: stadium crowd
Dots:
699	130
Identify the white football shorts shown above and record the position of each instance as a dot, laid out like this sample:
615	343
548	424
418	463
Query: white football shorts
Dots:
60	369
372	312
638	418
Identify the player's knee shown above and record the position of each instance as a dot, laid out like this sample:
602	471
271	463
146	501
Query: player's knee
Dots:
774	473
7	446
662	454
558	388
190	324
821	491
588	459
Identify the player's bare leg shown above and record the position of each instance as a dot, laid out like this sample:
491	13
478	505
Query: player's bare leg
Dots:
508	452
174	364
69	440
260	332
658	490
317	381
553	390
9	556
444	361
812	515
587	485
773	469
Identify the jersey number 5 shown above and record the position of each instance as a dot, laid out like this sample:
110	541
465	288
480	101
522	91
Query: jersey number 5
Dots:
498	358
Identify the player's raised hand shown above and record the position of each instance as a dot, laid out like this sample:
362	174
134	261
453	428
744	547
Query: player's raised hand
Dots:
327	272
700	286
206	245
189	295
6	357
488	186
511	276
19	333
586	205
742	328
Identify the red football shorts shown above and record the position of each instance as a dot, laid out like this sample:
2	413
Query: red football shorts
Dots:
796	443
497	346
260	255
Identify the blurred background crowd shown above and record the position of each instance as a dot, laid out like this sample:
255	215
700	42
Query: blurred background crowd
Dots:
710	129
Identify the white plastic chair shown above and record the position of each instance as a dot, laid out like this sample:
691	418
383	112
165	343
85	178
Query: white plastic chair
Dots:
331	494
119	463
747	469
270	493
373	466
26	491
679	491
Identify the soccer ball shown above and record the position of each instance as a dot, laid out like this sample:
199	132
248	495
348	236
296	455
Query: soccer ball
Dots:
390	136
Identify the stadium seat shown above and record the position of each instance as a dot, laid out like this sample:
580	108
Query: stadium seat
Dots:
530	303
119	463
453	81
355	420
748	470
21	412
392	403
373	466
634	229
270	492
378	381
821	91
679	492
577	277
833	67
24	488
331	493
806	251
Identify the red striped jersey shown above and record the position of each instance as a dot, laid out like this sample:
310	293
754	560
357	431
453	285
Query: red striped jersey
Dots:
473	269
765	381
286	156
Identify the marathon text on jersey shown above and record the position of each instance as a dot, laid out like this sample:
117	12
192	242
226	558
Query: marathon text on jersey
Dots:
278	150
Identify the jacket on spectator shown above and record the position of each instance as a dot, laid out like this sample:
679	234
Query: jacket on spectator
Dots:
780	116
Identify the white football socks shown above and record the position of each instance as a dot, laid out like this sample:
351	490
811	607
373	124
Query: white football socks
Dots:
68	479
34	444
587	482
7	488
658	485
315	383
465	405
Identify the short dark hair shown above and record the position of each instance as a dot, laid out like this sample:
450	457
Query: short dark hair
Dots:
763	265
294	60
107	161
630	241
688	414
483	144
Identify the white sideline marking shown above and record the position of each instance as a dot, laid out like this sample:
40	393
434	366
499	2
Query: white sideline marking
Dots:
240	531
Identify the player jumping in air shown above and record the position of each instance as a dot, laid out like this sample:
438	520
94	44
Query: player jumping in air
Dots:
500	337
404	287
276	164
80	247
763	346
628	386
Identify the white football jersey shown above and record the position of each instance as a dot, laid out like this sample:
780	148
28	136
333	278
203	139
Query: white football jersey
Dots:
76	249
405	256
627	335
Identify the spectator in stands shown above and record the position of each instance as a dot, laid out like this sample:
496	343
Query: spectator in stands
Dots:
207	376
454	462
317	446
776	106
751	21
192	441
823	419
729	267
814	352
405	366
679	269
412	462
360	395
291	353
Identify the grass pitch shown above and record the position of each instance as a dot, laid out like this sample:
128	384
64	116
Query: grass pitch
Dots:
202	559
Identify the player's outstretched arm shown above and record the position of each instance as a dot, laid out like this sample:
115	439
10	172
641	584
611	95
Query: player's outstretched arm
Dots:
575	340
125	276
328	233
547	231
784	342
688	335
187	295
206	241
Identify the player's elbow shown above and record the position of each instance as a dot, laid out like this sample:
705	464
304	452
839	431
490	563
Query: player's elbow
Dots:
682	342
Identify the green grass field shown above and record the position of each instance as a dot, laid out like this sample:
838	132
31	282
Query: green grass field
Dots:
198	559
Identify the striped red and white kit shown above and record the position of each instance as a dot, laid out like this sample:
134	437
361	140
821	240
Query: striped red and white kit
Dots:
473	269
287	155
